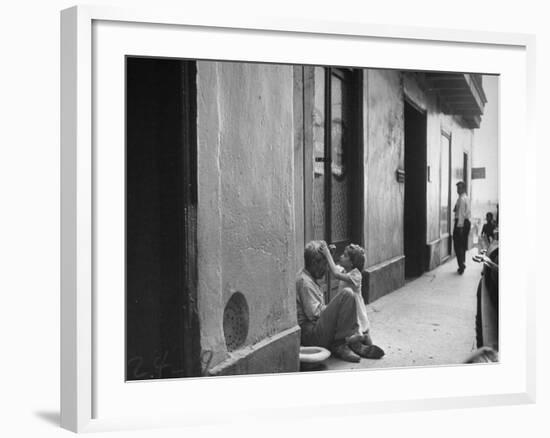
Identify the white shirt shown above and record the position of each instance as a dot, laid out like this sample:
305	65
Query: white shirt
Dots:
310	301
462	209
355	285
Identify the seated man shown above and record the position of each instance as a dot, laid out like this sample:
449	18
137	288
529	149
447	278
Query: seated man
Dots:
334	326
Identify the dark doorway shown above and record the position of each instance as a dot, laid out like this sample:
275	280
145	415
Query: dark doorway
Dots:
465	172
161	322
415	191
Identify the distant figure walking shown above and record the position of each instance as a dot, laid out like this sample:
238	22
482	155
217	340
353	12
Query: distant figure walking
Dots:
462	226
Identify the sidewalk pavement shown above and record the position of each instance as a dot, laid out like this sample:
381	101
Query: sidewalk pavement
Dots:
429	321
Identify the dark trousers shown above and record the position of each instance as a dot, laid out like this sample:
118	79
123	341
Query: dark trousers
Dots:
460	241
337	322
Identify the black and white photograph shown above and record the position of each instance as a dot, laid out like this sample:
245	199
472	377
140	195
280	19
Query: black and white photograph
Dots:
308	218
276	219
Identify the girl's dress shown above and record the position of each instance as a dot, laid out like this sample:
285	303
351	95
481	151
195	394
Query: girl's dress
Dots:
355	285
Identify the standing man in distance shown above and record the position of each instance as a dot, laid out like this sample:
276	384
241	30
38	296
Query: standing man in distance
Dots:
462	225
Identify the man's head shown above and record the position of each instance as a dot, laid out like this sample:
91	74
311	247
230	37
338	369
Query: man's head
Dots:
461	187
489	217
315	261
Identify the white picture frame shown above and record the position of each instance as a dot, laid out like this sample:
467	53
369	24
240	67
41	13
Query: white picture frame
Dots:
84	32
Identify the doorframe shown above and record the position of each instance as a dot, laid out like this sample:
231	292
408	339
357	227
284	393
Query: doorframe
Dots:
423	248
465	167
356	139
355	150
187	326
448	234
356	147
191	327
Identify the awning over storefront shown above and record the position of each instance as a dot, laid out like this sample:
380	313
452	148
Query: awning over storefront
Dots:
461	94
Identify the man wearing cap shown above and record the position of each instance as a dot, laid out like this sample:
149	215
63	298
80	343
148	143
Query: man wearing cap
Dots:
462	225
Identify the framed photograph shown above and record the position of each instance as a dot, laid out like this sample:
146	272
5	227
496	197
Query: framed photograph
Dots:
257	209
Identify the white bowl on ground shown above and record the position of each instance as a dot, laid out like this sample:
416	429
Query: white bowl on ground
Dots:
313	354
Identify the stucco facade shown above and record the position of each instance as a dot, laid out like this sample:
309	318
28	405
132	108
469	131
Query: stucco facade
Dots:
246	212
384	195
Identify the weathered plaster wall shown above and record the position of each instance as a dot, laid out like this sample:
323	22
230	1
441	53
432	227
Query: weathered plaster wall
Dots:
383	154
299	134
245	204
461	141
